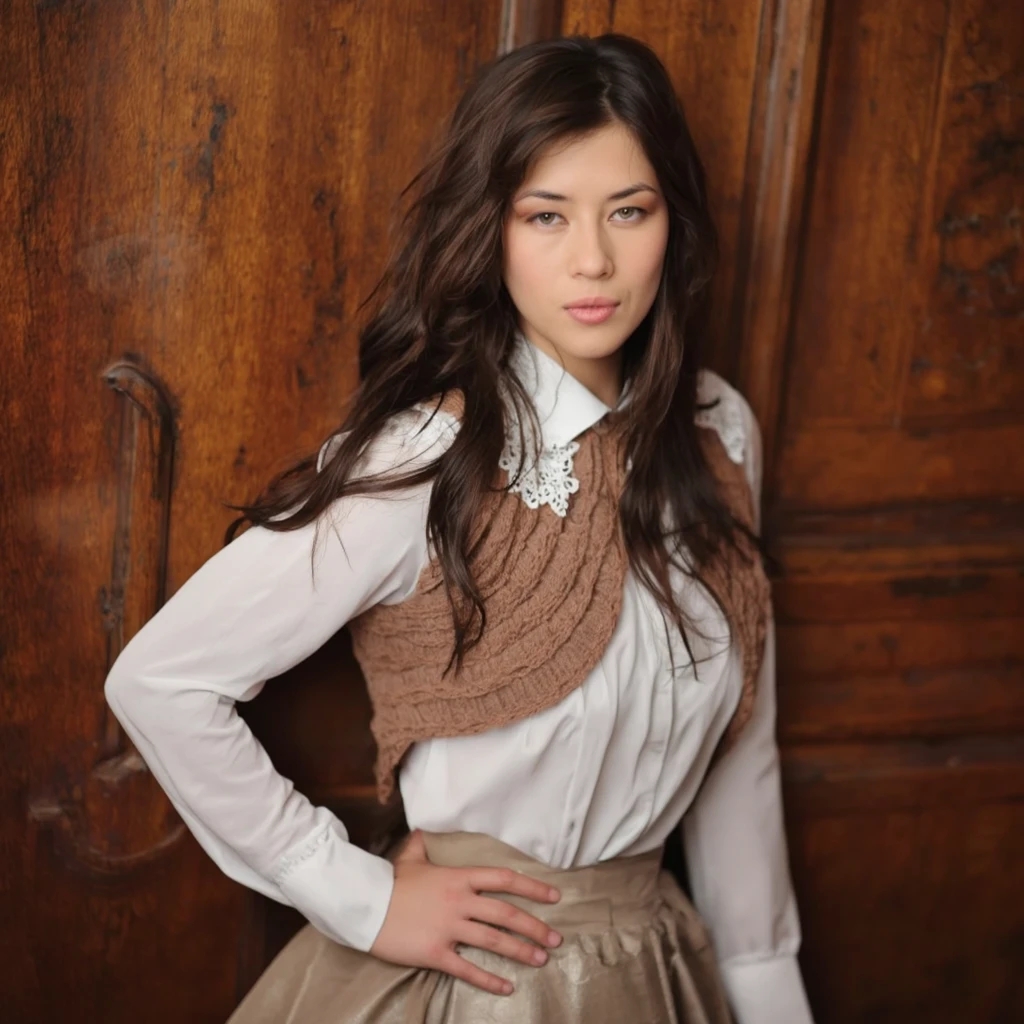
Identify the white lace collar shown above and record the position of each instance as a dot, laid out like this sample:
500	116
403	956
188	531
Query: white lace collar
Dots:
565	409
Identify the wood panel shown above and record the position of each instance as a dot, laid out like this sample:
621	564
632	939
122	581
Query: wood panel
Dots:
905	856
201	195
894	508
911	263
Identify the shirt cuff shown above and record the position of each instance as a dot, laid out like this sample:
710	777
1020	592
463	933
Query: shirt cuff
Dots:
767	991
342	890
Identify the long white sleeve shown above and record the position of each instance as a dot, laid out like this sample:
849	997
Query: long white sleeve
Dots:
254	610
738	865
736	851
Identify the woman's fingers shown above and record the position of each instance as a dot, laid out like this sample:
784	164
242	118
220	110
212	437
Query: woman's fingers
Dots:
481	936
494	911
484	937
507	880
459	967
499	912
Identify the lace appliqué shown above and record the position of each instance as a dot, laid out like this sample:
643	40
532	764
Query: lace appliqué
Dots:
550	482
725	418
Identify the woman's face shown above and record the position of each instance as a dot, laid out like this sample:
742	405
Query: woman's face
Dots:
597	230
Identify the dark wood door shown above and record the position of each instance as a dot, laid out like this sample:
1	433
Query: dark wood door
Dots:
196	197
897	506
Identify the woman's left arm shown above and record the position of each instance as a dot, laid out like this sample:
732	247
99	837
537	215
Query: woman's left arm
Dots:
736	851
738	866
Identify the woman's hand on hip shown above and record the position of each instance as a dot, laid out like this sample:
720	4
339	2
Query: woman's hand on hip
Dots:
432	908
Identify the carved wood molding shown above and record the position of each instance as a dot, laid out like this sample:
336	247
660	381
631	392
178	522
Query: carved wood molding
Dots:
525	21
782	119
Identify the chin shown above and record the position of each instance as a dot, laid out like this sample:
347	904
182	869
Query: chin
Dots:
580	341
592	348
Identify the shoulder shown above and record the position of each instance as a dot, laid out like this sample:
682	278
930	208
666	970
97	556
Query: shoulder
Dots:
724	410
414	436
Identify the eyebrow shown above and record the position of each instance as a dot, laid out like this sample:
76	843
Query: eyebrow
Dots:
554	197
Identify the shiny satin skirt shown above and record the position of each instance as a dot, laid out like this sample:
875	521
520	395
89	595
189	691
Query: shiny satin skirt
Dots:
634	951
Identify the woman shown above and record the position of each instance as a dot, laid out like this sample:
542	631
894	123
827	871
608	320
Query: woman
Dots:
538	522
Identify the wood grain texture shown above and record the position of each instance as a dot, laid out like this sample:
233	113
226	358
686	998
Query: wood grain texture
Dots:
79	94
895	510
914	203
202	191
904	857
526	21
770	233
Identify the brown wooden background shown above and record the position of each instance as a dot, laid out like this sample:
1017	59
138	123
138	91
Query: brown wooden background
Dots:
196	197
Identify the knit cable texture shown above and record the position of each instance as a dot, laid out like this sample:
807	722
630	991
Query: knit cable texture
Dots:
552	586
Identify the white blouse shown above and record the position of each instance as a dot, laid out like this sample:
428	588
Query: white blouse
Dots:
606	772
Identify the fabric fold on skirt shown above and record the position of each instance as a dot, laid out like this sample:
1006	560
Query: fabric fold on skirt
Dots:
634	951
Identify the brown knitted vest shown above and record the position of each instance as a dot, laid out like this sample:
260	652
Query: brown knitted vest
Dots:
552	588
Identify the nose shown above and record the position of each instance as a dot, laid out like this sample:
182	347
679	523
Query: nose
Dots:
591	254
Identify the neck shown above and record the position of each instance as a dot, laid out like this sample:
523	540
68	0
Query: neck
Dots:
601	377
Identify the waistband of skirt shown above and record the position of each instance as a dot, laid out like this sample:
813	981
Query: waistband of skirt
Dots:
612	891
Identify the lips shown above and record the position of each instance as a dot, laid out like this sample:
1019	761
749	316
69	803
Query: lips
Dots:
591	303
593	311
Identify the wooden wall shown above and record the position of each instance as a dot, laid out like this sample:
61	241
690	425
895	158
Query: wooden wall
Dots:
200	195
196	197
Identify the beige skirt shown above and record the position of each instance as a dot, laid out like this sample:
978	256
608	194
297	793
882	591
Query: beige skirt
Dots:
634	951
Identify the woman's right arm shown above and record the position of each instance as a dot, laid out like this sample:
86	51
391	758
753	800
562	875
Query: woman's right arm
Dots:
251	612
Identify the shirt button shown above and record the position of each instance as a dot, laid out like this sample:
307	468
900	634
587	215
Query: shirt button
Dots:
657	747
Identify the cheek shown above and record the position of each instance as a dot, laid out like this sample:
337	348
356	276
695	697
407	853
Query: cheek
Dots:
523	260
648	256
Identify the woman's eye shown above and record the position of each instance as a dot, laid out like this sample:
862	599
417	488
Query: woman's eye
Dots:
638	210
537	217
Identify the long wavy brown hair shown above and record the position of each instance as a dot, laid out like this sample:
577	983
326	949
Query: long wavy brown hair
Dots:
442	321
